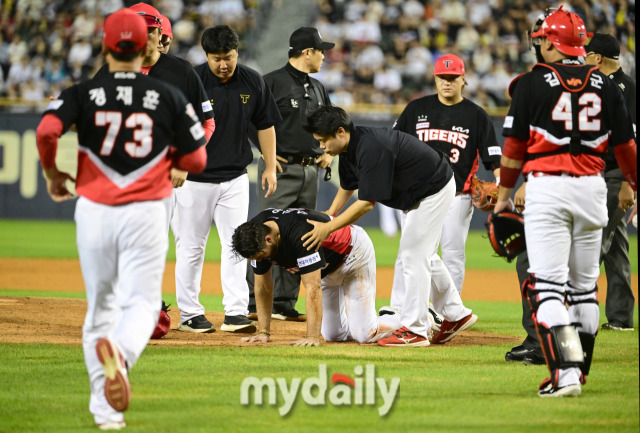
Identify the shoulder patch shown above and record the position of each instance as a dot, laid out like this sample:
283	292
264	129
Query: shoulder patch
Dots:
308	260
55	104
508	122
206	106
494	150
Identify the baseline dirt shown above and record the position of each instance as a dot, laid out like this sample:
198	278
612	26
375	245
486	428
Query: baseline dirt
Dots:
59	321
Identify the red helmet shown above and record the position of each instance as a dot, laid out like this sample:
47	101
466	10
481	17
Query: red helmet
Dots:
566	31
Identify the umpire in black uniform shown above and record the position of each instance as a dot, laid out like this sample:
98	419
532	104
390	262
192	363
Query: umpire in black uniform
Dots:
604	50
297	152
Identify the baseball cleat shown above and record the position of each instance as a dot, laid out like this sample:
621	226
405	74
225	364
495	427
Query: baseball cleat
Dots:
403	337
113	425
548	390
116	385
289	316
448	330
198	325
615	326
238	324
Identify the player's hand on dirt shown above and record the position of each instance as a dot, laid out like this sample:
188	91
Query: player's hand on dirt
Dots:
261	337
625	197
313	240
178	177
518	199
306	341
324	160
56	184
269	180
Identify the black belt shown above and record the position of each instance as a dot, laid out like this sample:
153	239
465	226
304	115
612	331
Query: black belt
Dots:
304	161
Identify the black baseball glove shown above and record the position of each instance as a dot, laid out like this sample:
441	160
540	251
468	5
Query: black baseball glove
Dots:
506	233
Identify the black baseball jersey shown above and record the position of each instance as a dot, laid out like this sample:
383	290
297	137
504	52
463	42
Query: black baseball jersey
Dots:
541	114
628	88
244	99
126	123
294	257
179	73
463	132
392	167
296	94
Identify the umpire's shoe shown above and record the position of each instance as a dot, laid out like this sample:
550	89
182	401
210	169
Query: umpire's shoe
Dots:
198	324
238	324
290	315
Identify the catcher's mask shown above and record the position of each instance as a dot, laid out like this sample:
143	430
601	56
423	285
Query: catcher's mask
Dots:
506	234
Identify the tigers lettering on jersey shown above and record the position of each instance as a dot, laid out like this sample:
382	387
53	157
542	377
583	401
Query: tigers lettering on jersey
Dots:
453	137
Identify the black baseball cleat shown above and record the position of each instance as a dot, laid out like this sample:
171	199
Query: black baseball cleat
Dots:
238	324
253	314
198	325
289	315
534	357
616	326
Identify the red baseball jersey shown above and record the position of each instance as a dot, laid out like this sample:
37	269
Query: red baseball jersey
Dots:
541	113
126	123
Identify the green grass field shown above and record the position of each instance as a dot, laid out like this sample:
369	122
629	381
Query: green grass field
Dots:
197	389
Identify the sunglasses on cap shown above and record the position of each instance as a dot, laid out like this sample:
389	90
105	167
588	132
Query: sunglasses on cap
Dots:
151	20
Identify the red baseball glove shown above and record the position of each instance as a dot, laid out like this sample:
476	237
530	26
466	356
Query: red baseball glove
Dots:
483	194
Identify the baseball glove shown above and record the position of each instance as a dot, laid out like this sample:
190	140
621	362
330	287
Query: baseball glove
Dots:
506	233
164	323
483	194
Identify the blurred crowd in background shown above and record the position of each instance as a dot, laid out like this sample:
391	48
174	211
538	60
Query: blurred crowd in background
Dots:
384	54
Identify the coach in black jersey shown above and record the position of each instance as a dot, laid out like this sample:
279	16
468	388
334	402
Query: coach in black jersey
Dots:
220	194
399	171
604	50
340	278
298	154
462	130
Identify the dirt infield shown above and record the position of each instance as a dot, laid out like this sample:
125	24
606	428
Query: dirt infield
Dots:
55	320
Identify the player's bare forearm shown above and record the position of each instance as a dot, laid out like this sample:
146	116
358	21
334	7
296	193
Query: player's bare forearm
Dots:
312	284
342	198
263	290
509	171
321	231
267	139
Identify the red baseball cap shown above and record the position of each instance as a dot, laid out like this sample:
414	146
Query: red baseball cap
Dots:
449	65
149	13
166	26
125	26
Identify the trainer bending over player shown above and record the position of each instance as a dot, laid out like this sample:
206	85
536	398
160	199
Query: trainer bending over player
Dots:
340	278
401	172
126	124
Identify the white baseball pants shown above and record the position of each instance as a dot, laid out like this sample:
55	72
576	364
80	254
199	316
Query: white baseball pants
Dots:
564	218
349	297
122	252
198	206
454	237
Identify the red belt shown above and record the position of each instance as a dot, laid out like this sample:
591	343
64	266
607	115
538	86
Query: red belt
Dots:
562	174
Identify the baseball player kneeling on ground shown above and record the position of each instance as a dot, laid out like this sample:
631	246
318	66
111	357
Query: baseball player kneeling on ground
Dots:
340	278
126	123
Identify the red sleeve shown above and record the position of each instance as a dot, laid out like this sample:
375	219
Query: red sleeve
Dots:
47	134
626	155
514	148
193	162
209	126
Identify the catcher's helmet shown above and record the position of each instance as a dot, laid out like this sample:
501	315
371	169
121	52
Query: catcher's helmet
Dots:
566	31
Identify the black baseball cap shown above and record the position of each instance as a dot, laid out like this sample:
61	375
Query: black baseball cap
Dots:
308	37
605	45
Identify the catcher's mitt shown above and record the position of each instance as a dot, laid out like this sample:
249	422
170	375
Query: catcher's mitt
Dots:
506	233
483	194
164	323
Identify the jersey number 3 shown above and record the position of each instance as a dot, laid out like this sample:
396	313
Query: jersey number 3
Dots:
586	122
140	122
